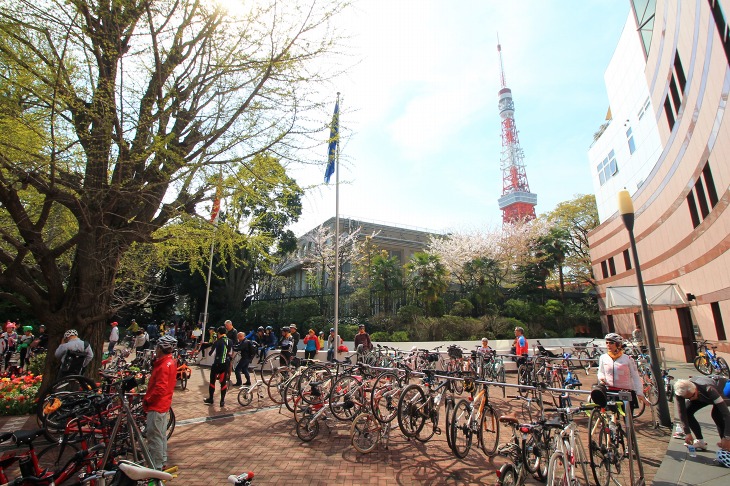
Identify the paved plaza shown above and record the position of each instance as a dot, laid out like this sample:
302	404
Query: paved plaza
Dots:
211	442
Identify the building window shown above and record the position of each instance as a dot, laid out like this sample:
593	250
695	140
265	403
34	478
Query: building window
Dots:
644	11
710	184
607	168
627	260
611	325
604	269
679	71
701	199
719	325
611	266
676	98
668	112
693	210
630	139
645	108
722	27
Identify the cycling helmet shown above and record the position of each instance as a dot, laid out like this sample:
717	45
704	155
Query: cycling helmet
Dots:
167	343
261	328
69	333
361	325
284	329
723	457
485	339
221	330
10	326
332	329
269	328
612	337
27	328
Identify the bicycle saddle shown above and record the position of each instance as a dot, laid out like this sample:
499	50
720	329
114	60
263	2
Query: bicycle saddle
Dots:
510	419
136	472
5	436
27	436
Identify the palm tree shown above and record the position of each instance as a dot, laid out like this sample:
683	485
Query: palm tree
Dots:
428	278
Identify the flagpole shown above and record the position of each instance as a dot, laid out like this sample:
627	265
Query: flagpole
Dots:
214	219
337	234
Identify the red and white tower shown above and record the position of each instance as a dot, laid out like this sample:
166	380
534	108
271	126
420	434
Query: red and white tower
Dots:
517	202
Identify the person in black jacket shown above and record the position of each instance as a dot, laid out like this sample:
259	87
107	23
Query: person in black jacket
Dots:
247	348
294	339
699	392
220	370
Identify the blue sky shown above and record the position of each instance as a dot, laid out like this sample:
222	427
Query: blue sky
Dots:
420	108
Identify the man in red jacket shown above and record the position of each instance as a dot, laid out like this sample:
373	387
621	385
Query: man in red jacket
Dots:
158	399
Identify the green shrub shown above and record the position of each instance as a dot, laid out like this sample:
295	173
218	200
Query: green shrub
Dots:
300	311
37	364
409	313
463	308
399	337
380	336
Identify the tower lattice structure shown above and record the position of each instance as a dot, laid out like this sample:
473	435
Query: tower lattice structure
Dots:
517	202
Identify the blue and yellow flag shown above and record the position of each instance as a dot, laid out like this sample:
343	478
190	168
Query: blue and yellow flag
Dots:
333	141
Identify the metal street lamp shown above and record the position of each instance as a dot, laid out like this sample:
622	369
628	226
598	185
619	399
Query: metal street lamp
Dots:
626	210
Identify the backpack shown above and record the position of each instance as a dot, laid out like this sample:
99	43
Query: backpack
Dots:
73	361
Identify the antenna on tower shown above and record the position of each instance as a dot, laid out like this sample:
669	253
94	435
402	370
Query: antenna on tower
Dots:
517	202
501	65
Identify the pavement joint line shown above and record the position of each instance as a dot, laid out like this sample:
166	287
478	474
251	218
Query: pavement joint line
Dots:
200	420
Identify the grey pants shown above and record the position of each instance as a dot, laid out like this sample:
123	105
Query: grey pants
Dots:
157	438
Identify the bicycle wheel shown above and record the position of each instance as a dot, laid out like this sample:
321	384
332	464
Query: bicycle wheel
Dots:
507	475
461	430
245	396
346	398
183	383
489	431
584	360
277	390
558	470
431	424
650	391
599	449
410	410
536	454
365	433
523	378
448	416
501	378
64	386
556	382
723	369
54	457
290	395
384	397
269	366
170	422
307	428
702	364
638	411
453	368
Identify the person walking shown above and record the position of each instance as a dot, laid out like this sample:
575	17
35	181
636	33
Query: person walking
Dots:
697	393
311	345
113	337
618	371
247	350
158	398
73	353
220	370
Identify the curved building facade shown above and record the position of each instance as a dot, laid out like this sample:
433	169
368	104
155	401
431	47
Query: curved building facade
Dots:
667	141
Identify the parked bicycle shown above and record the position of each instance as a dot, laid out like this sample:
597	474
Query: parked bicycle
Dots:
708	362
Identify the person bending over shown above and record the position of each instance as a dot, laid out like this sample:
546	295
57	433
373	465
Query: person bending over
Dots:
695	394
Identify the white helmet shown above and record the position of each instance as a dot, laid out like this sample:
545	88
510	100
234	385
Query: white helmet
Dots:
167	343
723	457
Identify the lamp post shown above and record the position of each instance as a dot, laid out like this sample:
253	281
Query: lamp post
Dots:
626	210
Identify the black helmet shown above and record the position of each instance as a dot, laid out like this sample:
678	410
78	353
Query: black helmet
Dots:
269	328
221	329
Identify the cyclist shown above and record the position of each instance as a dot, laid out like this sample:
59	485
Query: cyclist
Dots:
270	341
113	337
294	339
699	392
618	371
74	354
157	400
286	344
247	348
220	370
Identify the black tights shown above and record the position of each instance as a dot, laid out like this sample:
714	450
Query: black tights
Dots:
694	426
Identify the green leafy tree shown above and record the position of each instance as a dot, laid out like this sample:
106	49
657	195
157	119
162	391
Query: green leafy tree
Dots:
122	115
428	278
577	217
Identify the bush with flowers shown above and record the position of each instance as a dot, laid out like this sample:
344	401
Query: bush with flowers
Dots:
18	395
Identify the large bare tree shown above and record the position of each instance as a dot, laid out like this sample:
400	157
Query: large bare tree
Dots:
117	117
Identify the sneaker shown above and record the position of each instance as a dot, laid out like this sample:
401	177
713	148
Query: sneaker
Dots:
239	385
209	401
700	445
247	384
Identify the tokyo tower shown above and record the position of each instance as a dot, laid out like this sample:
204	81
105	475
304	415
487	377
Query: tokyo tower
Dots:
517	202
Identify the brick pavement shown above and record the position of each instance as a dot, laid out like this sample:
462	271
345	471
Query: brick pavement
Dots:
209	443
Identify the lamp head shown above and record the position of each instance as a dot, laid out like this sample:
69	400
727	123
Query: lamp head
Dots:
625	204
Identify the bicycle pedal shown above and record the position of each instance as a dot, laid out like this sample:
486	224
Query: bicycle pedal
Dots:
437	431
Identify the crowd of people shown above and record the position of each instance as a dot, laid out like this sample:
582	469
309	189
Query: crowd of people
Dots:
23	341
